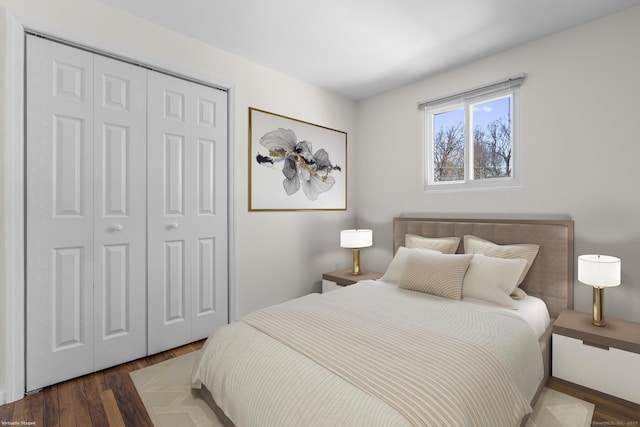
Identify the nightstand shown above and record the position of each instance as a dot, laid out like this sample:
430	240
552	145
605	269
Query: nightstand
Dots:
606	359
340	278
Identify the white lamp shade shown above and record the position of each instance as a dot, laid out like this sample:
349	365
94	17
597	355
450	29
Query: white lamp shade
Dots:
599	270
356	238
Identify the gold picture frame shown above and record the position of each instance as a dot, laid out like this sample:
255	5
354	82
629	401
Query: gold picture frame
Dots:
295	165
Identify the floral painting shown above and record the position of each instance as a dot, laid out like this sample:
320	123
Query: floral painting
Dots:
295	165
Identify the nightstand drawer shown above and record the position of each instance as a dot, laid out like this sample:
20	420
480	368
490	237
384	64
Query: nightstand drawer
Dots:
609	370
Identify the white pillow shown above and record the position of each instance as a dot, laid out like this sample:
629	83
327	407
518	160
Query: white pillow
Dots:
398	264
476	245
492	279
435	274
445	245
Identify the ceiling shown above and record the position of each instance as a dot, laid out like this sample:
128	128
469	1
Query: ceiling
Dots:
361	48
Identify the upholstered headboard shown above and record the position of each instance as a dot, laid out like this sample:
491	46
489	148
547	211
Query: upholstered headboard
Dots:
551	275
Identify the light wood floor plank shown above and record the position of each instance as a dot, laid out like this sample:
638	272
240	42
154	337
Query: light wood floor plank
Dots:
114	417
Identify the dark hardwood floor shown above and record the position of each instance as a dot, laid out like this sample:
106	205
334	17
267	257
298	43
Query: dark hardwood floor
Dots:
105	398
109	398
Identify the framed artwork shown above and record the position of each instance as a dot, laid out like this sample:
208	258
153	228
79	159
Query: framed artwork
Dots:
295	165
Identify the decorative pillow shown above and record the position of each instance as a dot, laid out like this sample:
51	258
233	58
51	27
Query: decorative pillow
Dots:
436	274
445	245
476	245
492	279
398	264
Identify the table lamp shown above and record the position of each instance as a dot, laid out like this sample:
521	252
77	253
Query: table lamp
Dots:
356	239
599	271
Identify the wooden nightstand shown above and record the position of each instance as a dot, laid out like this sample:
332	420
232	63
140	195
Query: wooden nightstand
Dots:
340	278
606	359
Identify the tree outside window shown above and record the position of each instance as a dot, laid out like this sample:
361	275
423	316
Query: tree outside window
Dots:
470	144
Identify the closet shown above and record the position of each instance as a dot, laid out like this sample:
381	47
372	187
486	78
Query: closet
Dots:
126	211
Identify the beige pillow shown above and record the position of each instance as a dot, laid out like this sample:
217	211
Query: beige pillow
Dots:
492	279
445	245
476	245
518	294
436	274
398	264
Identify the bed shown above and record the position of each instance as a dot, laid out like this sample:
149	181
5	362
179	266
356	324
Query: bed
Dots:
456	332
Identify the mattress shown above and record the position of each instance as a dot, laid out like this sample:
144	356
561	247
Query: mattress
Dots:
259	381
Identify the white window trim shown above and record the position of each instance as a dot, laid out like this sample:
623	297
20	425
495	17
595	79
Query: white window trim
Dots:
507	87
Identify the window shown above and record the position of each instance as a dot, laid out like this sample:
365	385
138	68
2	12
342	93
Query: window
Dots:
471	139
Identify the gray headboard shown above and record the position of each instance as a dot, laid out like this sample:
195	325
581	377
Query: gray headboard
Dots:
551	275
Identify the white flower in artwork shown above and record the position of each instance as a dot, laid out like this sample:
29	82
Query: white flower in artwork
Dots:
301	167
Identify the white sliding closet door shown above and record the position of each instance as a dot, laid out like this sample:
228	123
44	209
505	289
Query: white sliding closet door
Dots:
187	211
86	213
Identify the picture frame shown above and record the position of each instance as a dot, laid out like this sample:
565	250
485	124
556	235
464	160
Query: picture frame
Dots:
295	165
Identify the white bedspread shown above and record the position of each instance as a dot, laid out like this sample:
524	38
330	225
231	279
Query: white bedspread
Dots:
531	309
258	381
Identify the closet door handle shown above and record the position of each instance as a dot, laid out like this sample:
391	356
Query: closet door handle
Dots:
172	226
116	228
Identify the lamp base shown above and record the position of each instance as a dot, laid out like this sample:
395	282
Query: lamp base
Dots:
355	270
598	306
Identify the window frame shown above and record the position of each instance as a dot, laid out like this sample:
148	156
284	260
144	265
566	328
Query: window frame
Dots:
466	101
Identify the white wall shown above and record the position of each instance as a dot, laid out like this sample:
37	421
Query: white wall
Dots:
278	256
2	218
581	108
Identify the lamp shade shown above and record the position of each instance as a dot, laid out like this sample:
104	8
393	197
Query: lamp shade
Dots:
356	238
599	270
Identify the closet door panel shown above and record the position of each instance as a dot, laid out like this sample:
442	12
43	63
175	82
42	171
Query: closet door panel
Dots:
174	282
168	151
187	206
174	175
120	212
209	223
67	304
59	213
